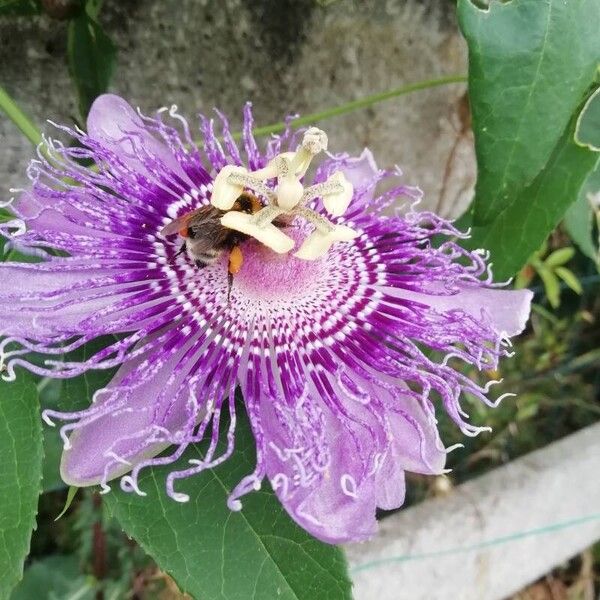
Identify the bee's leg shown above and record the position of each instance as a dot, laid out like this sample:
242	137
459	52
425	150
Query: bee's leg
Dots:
179	252
236	259
229	286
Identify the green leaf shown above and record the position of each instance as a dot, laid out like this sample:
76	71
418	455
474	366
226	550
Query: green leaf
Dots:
537	209
70	395
570	279
14	255
524	277
257	553
530	64
20	475
20	8
70	497
91	56
55	577
551	286
587	131
560	257
579	218
53	447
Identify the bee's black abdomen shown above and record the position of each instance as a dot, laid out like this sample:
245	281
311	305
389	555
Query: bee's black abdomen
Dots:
200	264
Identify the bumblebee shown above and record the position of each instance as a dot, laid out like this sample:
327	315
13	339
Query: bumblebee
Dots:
205	239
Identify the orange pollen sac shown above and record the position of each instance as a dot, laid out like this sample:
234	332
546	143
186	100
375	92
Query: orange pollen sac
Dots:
184	232
256	204
236	259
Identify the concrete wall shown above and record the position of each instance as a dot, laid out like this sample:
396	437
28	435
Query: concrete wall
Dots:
284	55
492	536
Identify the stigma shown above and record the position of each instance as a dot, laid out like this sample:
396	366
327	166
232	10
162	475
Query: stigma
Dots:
287	199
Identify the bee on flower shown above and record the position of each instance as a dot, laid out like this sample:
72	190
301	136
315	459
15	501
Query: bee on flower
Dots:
227	267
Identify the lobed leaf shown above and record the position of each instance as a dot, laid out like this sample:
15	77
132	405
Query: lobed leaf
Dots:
530	64
536	209
20	476
213	553
579	218
587	131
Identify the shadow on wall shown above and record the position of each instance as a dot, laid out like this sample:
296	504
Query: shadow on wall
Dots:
281	25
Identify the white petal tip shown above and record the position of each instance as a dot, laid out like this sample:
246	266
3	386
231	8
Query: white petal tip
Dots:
453	448
234	505
183	498
47	420
129	484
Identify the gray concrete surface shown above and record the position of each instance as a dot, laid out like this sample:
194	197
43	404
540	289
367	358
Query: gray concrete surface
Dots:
284	55
492	536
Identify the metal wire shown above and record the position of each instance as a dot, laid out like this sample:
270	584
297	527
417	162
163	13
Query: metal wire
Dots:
511	537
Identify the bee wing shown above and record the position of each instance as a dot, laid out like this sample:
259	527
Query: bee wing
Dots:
207	233
175	226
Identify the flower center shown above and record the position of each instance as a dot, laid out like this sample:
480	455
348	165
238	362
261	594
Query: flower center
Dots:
277	277
288	198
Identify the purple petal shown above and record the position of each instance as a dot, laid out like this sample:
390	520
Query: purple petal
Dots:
43	299
123	427
415	447
315	472
507	310
47	214
325	510
416	444
390	484
115	124
361	172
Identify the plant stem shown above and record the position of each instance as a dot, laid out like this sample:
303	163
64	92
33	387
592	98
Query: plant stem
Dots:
353	105
19	118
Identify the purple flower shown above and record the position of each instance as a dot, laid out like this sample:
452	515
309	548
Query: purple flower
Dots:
340	360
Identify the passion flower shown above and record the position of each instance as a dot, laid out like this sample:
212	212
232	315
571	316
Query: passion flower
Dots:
344	327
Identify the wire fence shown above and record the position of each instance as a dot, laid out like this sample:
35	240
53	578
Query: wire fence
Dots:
498	541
